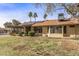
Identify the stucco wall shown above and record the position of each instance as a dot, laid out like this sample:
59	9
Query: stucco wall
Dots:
71	32
77	29
53	35
45	33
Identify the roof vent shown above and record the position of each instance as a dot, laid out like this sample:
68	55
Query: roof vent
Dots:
61	16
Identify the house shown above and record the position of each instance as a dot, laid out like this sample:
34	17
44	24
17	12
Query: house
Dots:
51	28
23	27
59	28
3	31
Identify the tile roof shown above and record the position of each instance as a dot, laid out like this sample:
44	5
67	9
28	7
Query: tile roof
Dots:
29	23
57	22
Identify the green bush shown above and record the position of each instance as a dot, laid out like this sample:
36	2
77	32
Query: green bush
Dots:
26	34
21	33
17	32
14	33
31	33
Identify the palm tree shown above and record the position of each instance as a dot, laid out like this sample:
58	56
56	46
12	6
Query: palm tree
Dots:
45	16
30	15
35	15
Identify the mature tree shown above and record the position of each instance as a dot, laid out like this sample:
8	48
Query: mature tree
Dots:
7	24
47	7
35	15
71	8
15	22
30	15
45	16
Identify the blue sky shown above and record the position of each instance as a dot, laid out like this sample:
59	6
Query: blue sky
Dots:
19	11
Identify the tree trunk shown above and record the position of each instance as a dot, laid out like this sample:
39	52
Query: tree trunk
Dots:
30	19
35	19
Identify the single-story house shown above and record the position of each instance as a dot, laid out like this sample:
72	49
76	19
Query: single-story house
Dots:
52	28
23	27
59	28
3	31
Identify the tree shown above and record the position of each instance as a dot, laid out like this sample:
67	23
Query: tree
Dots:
15	22
45	16
7	24
47	7
35	15
30	15
71	8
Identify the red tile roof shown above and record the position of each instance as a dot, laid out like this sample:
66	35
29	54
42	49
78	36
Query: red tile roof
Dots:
57	22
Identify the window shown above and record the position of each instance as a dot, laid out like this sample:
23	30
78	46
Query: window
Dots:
52	29
59	29
38	29
55	29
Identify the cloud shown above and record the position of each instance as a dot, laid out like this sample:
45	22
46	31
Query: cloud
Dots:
2	21
9	15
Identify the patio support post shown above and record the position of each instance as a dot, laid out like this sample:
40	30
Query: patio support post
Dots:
49	29
24	28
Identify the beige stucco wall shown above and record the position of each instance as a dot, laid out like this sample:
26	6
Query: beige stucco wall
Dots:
45	33
77	29
53	35
71	32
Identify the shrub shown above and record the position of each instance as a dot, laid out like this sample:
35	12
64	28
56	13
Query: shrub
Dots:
12	33
31	33
26	34
21	33
17	32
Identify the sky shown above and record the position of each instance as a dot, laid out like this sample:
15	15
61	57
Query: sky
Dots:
19	11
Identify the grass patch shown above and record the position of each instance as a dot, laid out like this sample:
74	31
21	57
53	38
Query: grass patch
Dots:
36	46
